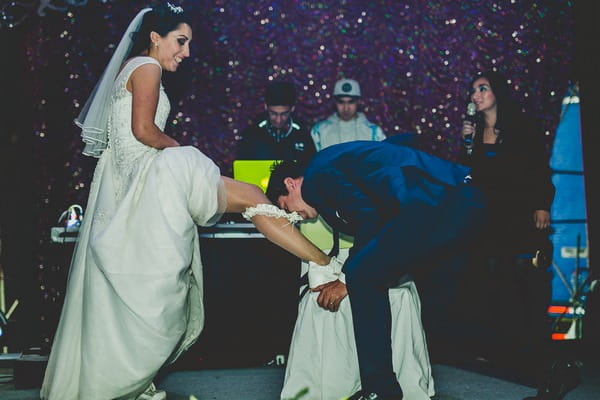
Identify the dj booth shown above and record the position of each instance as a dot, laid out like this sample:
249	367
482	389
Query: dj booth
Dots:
250	298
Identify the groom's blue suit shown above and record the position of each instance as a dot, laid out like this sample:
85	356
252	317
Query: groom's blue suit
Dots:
403	207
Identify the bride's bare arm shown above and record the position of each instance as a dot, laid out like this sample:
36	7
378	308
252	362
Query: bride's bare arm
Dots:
144	85
242	195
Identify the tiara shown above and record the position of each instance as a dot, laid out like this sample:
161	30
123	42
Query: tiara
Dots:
175	9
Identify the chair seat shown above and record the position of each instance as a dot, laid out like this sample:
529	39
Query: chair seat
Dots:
323	354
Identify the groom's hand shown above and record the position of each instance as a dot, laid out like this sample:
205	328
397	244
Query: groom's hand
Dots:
332	294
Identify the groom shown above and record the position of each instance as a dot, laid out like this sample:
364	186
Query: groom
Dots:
403	208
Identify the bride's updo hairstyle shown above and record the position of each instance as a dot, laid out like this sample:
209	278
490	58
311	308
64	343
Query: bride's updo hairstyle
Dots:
162	20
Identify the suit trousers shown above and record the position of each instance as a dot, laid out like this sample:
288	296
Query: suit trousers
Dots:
418	233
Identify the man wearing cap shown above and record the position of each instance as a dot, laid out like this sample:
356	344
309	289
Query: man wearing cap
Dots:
275	134
346	124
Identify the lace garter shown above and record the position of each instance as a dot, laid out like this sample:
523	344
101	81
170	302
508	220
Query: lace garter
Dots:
269	210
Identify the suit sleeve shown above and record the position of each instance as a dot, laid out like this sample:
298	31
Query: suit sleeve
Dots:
539	173
345	205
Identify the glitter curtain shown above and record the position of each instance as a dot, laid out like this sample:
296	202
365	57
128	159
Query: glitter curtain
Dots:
413	59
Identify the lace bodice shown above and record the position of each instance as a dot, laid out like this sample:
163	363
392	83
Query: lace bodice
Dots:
127	149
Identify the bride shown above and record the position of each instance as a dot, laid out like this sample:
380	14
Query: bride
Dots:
134	294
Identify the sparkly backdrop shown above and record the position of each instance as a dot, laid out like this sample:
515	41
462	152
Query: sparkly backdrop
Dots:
413	60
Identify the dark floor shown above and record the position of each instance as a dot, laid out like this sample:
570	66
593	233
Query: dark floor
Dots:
476	381
242	373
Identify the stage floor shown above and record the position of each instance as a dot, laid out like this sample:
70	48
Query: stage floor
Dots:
264	383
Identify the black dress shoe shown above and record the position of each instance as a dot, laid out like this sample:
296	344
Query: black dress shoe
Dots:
365	395
362	395
564	376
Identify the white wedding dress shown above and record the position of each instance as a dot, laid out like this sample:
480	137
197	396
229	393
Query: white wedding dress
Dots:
323	360
134	295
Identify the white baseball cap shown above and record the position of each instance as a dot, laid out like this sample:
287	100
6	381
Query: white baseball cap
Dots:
346	87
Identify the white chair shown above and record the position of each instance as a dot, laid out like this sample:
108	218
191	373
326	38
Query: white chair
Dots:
323	356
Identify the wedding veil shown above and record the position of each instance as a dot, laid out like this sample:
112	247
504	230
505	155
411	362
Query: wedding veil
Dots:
93	118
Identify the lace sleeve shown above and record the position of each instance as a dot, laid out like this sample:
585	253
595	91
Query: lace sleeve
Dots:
269	210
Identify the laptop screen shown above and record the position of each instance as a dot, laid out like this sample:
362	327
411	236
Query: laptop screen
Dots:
256	172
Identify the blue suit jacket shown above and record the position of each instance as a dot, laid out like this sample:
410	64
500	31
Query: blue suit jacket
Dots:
358	186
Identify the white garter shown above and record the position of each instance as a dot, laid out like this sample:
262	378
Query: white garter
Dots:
269	210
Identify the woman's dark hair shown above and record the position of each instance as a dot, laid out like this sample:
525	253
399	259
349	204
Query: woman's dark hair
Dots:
161	19
508	111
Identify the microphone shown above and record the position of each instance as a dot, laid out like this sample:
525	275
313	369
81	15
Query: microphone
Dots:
468	139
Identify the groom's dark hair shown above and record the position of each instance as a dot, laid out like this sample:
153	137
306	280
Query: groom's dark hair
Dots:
279	171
